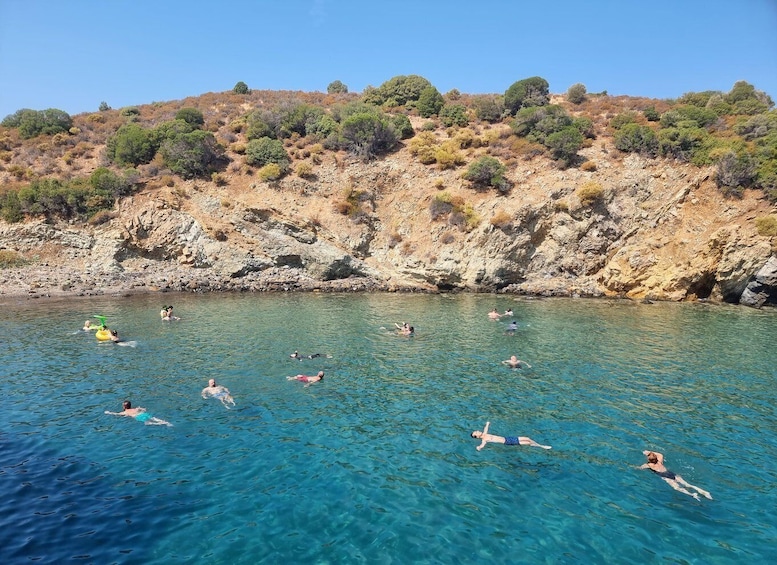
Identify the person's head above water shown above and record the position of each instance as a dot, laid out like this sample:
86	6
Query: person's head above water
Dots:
321	374
652	457
212	383
126	404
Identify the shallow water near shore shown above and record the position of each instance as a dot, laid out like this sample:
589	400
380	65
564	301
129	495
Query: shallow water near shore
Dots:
375	464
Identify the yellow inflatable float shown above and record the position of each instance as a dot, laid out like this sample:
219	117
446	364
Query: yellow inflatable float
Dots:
103	334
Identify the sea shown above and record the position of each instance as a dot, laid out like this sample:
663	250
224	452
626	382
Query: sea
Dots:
375	463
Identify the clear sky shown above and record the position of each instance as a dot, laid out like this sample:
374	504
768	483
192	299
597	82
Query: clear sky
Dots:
73	54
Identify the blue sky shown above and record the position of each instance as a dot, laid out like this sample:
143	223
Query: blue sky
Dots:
73	54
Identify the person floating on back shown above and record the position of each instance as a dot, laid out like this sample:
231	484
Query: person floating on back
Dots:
486	437
655	462
217	391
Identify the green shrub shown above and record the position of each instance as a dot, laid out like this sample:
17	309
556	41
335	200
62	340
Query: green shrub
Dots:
430	101
368	135
690	115
194	154
487	172
260	152
105	182
488	108
681	142
734	172
454	115
526	93
336	87
103	107
191	116
651	114
257	127
130	145
32	123
565	144
634	138
400	90
402	126
622	119
241	88
576	93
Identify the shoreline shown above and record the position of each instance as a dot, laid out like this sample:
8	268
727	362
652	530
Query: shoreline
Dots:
40	282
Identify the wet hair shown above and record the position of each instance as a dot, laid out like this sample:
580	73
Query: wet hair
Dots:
652	457
473	434
126	404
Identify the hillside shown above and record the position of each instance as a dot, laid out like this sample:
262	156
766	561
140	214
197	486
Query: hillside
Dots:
610	223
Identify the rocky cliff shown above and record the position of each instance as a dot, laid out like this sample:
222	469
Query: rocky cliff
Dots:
653	229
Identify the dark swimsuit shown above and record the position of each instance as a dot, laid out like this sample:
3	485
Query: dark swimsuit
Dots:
665	474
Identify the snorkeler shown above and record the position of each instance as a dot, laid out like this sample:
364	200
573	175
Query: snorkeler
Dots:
489	438
515	363
655	462
139	414
307	379
218	391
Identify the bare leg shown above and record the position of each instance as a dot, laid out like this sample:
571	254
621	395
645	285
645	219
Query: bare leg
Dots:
685	483
677	487
154	421
529	441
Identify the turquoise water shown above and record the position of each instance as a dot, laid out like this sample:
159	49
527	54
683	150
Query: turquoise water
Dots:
375	464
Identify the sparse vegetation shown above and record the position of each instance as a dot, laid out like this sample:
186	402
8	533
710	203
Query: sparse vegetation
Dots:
590	193
766	226
11	259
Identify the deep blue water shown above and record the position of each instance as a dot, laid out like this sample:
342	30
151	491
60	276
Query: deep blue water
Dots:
375	464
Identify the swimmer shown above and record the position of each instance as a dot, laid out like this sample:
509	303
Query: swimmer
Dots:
514	363
89	327
115	336
508	312
298	355
489	438
655	462
405	329
218	391
163	312
169	314
307	379
494	315
139	414
511	328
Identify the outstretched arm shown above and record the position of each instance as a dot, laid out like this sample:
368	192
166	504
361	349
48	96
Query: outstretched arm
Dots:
114	413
